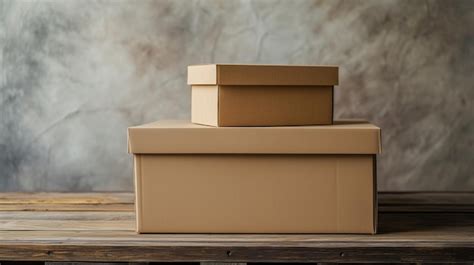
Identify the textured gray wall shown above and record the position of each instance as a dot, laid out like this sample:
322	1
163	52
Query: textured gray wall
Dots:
75	74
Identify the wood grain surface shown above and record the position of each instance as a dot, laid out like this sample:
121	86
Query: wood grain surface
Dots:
99	227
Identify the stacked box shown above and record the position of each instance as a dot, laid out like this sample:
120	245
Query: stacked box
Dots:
262	95
239	176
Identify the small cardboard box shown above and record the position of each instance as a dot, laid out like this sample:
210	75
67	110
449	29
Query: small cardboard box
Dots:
262	95
306	179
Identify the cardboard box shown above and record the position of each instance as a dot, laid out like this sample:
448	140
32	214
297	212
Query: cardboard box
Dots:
262	95
306	179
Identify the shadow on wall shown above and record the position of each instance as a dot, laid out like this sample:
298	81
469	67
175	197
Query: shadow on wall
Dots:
75	75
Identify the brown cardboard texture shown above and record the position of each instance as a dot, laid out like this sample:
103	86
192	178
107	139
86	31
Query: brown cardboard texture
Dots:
179	137
260	190
262	95
266	75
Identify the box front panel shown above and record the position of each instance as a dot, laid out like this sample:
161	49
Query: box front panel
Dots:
275	105
255	194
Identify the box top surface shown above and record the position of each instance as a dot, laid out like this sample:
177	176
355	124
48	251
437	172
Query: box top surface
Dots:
183	137
182	124
247	74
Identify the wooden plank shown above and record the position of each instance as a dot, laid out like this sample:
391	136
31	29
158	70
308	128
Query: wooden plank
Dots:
426	202
396	229
427	198
129	238
68	207
53	221
125	221
109	201
108	236
234	254
123	201
66	198
22	263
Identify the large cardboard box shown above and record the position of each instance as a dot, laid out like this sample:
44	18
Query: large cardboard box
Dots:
306	179
262	95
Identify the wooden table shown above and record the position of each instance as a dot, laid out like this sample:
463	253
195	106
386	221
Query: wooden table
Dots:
99	227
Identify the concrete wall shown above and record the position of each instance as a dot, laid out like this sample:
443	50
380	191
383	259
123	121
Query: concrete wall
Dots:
75	74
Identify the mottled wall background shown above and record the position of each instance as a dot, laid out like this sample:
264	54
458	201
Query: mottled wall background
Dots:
75	74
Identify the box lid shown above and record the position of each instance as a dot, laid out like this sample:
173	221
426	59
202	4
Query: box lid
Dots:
235	74
183	137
